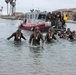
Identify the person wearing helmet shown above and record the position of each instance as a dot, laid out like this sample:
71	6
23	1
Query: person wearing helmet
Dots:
35	37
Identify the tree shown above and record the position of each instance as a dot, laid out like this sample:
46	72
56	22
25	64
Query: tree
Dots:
7	1
11	1
13	7
2	9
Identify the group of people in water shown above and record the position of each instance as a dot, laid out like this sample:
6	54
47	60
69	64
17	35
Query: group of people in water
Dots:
36	38
68	34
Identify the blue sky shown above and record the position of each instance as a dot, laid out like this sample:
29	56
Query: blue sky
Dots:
43	5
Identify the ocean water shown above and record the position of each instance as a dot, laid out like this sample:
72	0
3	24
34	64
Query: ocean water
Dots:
20	59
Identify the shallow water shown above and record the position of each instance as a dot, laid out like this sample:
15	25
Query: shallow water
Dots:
19	59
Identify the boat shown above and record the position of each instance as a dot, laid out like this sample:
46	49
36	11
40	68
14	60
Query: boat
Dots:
38	19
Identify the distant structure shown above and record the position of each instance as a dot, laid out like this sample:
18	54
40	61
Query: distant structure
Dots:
1	10
71	13
12	6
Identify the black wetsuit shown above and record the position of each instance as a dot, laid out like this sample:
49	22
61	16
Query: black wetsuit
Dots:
34	40
48	17
16	39
48	40
68	33
71	37
53	19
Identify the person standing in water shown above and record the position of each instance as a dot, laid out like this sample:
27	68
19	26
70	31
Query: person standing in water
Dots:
50	36
68	32
35	37
72	36
63	35
17	35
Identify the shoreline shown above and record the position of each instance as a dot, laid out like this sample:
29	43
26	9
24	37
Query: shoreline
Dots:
23	17
70	21
11	17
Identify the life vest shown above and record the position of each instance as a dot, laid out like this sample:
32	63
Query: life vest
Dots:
65	17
